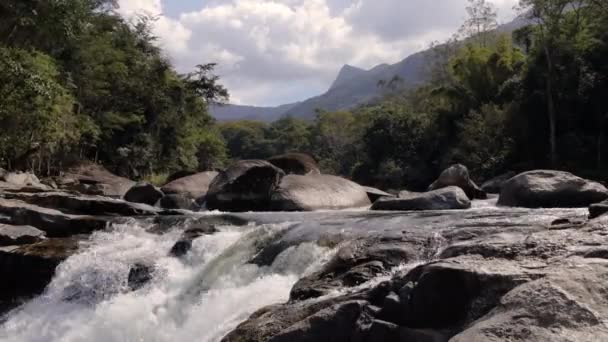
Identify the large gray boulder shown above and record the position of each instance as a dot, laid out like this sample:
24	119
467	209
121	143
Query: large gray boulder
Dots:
494	185
246	185
452	197
375	194
193	186
550	189
458	175
144	193
94	179
316	192
296	164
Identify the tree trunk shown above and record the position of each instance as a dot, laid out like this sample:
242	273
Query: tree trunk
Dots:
551	110
600	141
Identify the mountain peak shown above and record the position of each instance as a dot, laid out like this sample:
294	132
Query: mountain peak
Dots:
347	73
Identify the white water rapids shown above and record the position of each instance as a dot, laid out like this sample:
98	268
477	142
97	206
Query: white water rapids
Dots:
201	297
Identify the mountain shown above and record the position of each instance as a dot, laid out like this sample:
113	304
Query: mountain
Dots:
352	87
230	112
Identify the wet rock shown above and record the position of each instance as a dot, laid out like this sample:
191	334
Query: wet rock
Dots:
494	185
443	199
139	276
245	186
94	179
184	244
177	201
550	189
203	224
193	186
598	209
315	192
354	264
458	175
53	222
27	270
84	205
145	193
178	175
296	164
375	194
19	235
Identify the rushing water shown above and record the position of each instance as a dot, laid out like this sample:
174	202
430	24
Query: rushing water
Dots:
207	293
200	298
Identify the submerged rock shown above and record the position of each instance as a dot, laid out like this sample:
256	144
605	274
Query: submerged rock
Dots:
296	164
246	185
550	189
458	175
139	276
315	192
443	199
145	193
193	186
177	201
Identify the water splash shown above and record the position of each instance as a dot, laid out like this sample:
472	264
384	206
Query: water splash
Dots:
199	298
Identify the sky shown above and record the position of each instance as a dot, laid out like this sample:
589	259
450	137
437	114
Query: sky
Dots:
272	52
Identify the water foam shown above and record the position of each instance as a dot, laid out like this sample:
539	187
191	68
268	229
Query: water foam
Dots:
199	298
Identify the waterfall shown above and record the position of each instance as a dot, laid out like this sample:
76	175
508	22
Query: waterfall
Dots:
198	298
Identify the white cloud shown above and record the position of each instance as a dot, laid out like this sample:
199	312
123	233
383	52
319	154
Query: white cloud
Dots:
273	51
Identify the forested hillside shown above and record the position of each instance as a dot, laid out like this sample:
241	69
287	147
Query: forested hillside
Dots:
79	82
533	99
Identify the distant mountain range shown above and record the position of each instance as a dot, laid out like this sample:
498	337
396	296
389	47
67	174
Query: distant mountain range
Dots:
353	86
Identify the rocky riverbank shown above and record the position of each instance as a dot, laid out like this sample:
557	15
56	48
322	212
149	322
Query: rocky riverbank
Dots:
445	265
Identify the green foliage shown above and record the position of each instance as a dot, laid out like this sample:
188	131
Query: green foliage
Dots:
80	82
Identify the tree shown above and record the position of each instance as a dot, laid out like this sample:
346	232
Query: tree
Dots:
480	22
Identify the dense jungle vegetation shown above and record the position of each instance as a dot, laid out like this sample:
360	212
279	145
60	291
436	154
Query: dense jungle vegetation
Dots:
80	82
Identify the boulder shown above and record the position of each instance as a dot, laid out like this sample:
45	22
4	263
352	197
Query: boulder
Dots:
494	185
177	201
193	186
178	175
139	276
246	185
375	194
296	164
21	179
94	179
84	205
19	235
550	189
53	222
184	244
452	197
598	209
145	193
458	175
316	192
27	270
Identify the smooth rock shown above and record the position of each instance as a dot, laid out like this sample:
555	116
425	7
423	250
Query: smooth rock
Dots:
494	185
93	179
19	235
296	164
458	175
53	222
375	194
246	185
84	205
550	189
316	192
443	199
177	201
192	186
145	193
